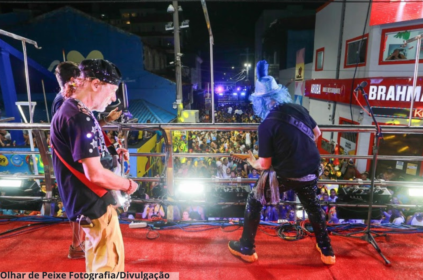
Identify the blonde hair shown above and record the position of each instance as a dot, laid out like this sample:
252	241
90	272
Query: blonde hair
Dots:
76	84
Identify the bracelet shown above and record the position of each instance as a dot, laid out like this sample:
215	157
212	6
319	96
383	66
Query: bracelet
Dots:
105	120
130	185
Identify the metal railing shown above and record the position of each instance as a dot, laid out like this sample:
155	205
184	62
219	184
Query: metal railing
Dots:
168	177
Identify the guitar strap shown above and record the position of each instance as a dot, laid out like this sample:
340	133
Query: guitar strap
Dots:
294	122
96	189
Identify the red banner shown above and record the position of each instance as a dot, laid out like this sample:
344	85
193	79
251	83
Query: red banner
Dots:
382	92
389	11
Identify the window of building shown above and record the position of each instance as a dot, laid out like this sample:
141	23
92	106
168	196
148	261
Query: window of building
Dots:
356	51
320	55
133	14
392	48
125	15
128	22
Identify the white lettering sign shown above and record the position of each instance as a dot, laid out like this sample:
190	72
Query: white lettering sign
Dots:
332	90
315	88
395	93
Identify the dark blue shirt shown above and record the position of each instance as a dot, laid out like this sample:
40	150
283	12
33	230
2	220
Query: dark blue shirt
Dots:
76	135
293	153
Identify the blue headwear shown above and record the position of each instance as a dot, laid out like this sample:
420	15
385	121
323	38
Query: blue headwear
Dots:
266	91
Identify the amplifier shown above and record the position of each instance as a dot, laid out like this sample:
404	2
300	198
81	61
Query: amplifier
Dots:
229	195
362	195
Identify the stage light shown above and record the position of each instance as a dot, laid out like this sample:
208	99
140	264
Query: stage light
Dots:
238	88
12	183
170	9
235	93
243	93
191	188
169	26
403	149
219	89
415	192
184	24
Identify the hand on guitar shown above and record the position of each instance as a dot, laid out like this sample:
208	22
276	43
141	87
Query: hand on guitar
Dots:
123	152
250	157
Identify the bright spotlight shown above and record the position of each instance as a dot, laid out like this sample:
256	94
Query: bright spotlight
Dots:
415	192
219	89
243	93
191	187
238	88
235	93
12	183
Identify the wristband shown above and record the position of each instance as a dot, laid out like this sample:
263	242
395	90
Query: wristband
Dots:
105	120
130	185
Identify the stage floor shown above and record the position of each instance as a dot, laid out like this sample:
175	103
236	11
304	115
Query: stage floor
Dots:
202	254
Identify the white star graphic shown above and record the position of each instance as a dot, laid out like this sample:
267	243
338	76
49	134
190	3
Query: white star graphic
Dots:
94	144
93	130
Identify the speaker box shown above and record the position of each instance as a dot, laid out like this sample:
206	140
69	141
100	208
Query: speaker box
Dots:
225	211
357	213
360	195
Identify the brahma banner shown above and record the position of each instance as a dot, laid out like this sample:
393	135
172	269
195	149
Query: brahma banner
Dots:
382	92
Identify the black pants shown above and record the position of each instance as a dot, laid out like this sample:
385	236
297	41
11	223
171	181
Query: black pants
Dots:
306	192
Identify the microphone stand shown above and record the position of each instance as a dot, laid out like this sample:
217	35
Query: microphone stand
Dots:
367	232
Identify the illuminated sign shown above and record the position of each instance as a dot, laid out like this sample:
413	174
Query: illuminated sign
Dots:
389	92
398	113
394	93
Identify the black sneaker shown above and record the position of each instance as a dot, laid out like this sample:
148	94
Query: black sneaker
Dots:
326	254
245	253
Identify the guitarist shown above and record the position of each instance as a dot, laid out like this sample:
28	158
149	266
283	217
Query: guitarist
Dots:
290	160
77	138
66	72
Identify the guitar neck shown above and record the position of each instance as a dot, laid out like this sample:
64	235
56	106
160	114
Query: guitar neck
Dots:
243	156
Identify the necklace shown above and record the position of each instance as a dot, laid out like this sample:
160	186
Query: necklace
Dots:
96	129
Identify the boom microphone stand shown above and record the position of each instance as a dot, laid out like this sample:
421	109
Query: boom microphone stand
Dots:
367	233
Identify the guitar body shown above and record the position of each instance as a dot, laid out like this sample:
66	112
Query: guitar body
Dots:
122	201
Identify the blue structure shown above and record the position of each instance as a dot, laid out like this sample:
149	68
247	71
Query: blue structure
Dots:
144	111
72	35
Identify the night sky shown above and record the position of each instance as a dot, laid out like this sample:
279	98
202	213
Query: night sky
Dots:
233	26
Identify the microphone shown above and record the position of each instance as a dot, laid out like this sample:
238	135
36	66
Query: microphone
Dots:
361	86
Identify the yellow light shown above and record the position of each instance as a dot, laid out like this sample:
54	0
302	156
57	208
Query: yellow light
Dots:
403	149
389	137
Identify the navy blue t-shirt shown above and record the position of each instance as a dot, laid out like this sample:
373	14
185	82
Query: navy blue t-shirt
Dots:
293	153
57	102
75	135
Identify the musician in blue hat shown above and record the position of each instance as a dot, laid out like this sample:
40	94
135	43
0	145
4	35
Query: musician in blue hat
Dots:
289	159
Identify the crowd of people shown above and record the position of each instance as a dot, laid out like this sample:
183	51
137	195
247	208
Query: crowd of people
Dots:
241	141
231	113
346	170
